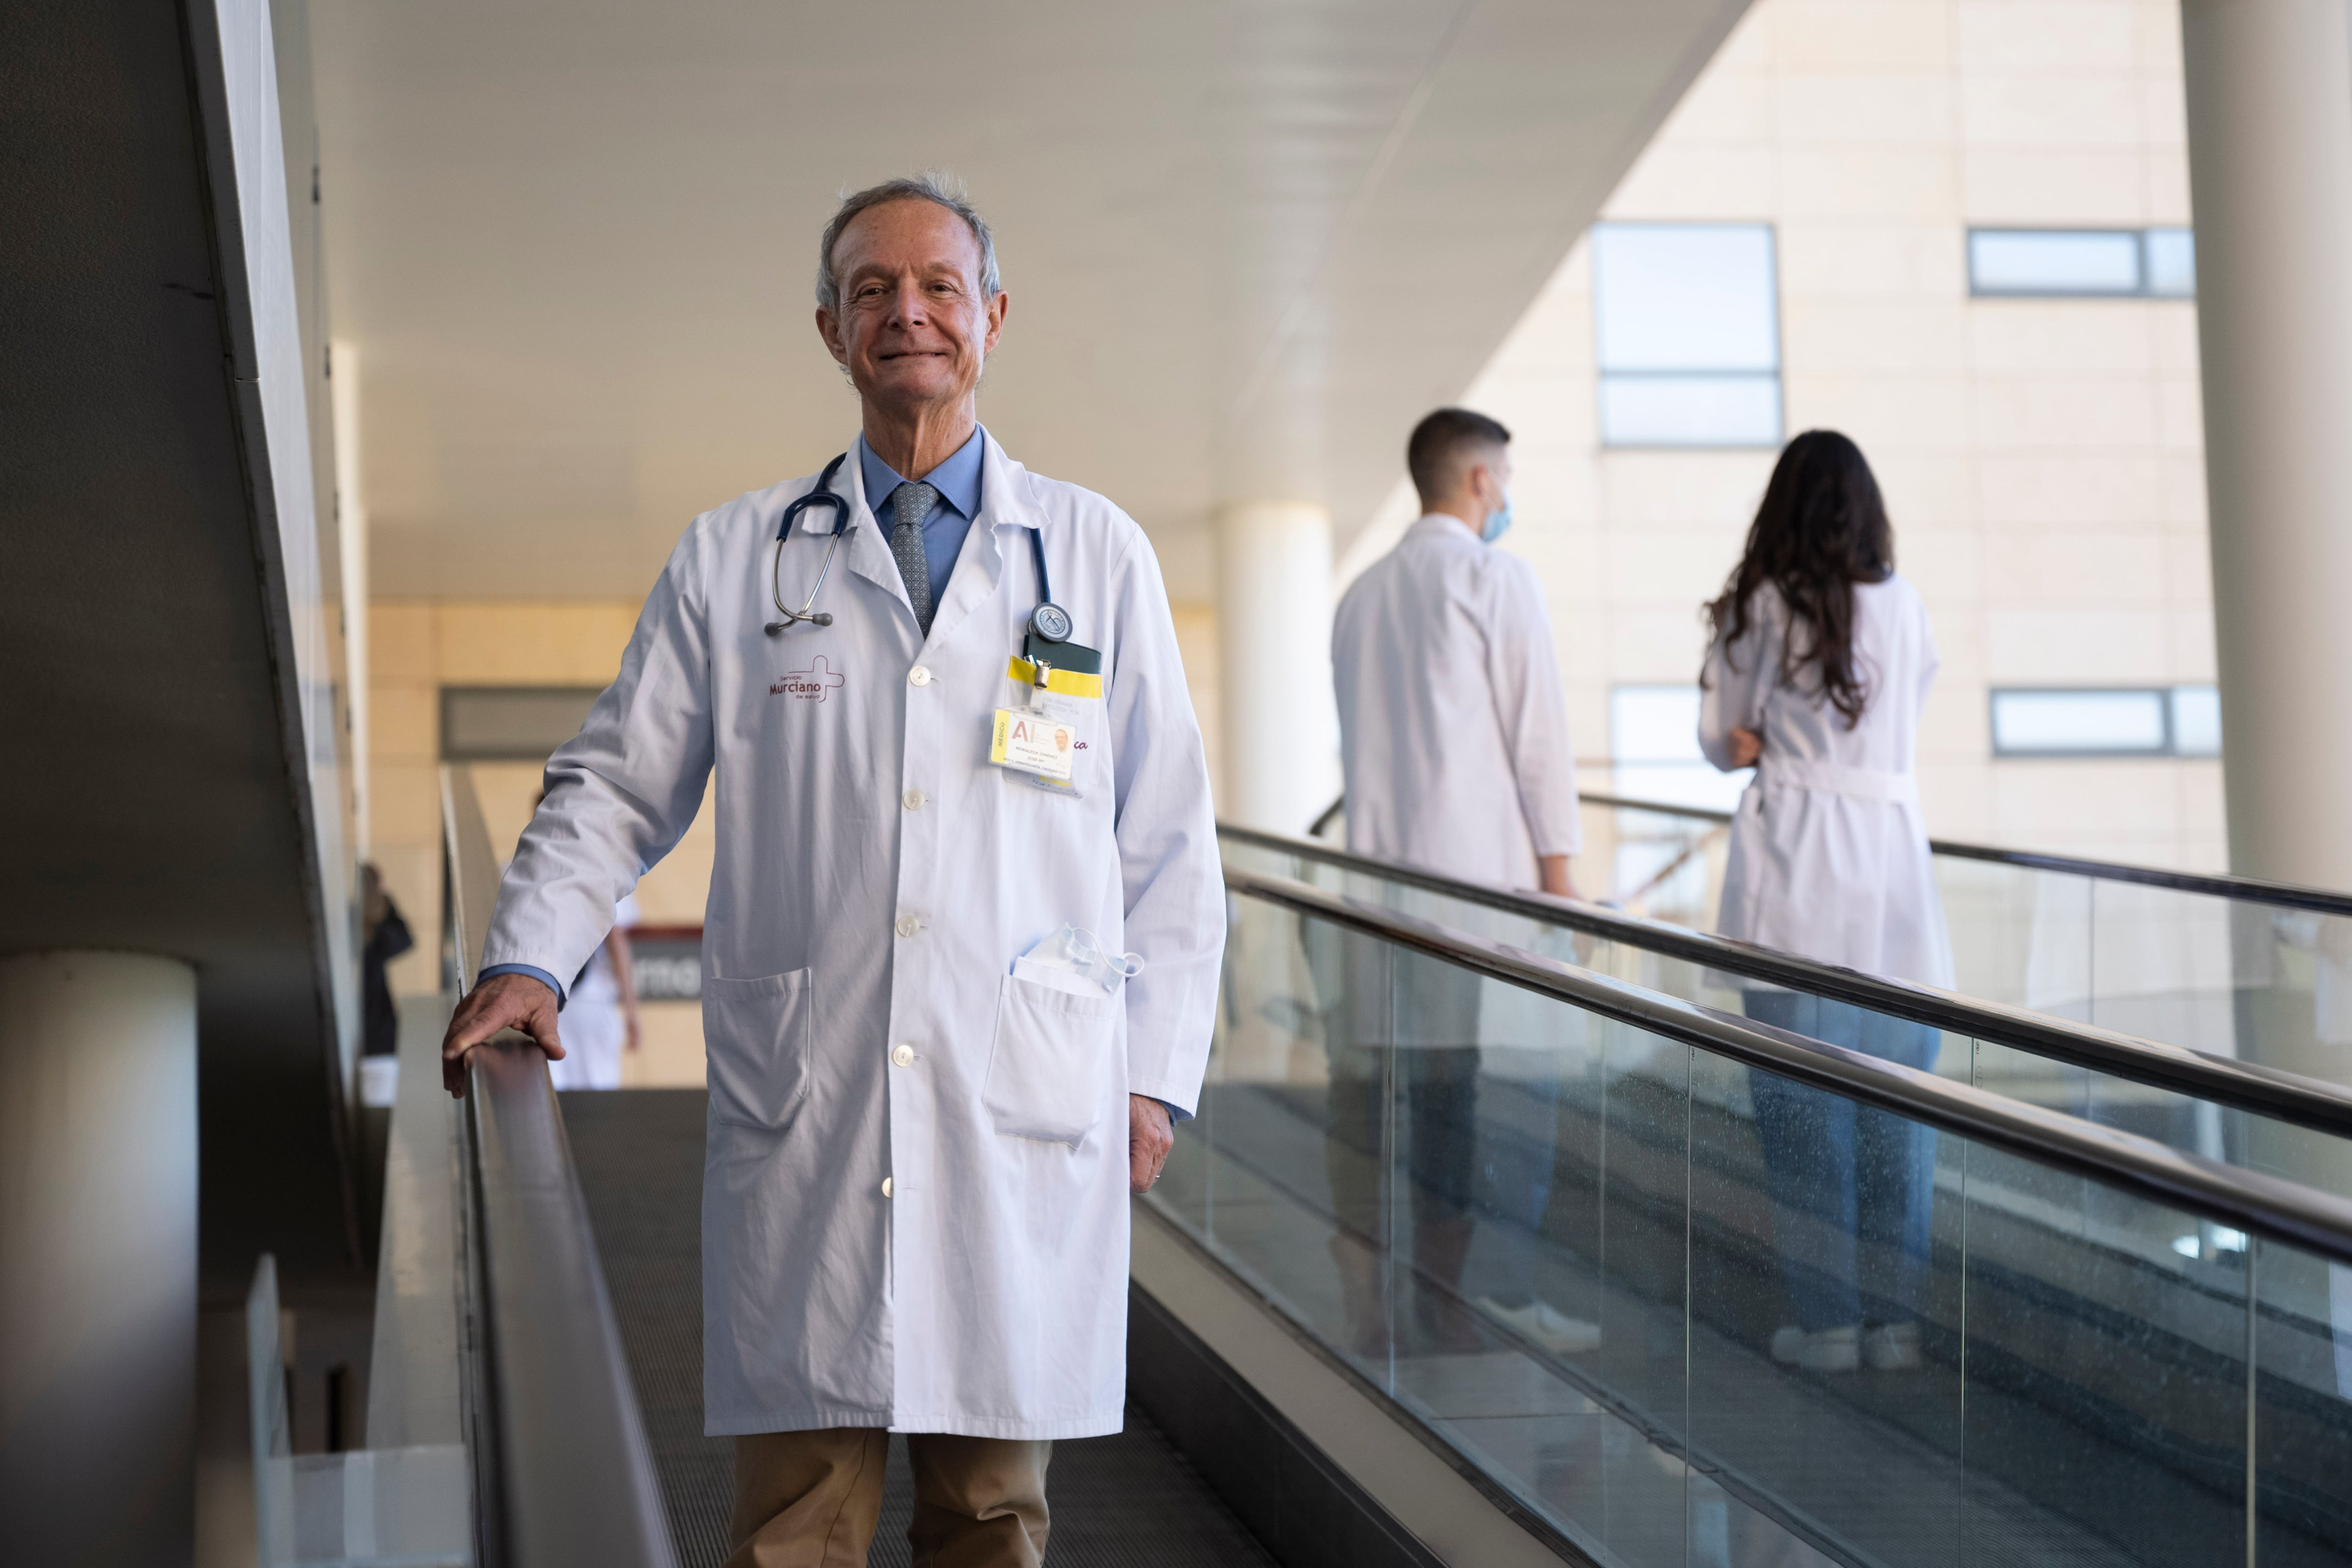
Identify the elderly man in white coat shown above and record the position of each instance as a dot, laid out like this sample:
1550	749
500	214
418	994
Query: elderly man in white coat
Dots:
1453	737
961	949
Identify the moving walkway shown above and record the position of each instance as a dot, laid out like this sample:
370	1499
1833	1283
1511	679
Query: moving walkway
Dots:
1552	1273
2126	1353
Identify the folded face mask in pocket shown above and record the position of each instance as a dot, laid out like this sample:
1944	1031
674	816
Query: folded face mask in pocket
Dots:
1072	960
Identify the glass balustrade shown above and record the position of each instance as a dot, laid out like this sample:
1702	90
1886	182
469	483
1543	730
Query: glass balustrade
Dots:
2061	907
2265	981
1693	1312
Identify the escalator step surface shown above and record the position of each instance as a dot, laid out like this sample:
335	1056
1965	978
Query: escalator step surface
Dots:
1125	1501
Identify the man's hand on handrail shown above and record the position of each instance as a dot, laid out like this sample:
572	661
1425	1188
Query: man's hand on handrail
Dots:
502	1002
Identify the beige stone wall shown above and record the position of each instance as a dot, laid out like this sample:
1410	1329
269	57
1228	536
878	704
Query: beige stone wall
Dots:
2042	458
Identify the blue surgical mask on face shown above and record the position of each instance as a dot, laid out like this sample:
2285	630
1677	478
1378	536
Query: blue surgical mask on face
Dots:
1499	522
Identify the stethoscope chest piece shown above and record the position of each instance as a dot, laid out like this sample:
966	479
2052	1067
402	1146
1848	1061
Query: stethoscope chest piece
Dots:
1051	622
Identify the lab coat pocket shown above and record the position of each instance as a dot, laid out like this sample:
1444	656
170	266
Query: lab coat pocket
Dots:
756	1035
1050	1072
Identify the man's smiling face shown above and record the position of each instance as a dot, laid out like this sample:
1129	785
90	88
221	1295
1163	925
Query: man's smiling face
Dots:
911	327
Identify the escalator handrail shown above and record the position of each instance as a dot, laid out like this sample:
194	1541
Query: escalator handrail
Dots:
2248	1200
2210	885
2266	1091
563	1474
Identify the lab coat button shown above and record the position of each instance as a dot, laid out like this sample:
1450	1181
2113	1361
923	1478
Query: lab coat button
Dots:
919	676
914	800
886	1186
903	1055
908	926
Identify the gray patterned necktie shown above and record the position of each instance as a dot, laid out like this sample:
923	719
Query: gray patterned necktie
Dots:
913	504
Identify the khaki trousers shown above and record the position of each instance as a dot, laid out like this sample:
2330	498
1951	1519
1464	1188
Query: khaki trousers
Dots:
814	1500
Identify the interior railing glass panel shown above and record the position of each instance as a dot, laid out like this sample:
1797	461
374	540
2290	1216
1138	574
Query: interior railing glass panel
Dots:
1612	1271
2197	1123
2239	969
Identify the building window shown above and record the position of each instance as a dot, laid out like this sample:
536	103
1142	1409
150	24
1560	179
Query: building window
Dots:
1687	331
511	724
2172	258
2145	721
2075	264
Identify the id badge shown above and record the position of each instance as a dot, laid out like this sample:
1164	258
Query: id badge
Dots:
1064	708
1028	741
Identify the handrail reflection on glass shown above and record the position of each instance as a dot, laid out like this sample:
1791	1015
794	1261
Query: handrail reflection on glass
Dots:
2210	885
2227	1080
564	1473
2248	1200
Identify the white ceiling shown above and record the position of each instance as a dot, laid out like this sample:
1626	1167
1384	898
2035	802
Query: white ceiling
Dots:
1247	242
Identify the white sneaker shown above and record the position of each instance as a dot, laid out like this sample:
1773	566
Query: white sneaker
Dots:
1832	1350
1892	1347
1788	1344
1539	1320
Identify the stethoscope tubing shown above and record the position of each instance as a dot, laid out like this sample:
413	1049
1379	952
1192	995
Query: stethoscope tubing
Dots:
821	494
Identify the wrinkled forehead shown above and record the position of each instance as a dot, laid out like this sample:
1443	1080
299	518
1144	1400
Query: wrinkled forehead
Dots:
894	238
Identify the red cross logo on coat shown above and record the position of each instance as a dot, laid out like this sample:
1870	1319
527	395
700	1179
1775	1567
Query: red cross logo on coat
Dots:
812	682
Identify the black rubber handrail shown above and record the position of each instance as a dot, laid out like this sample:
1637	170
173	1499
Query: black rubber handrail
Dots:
563	1475
2210	885
2266	1091
2247	1200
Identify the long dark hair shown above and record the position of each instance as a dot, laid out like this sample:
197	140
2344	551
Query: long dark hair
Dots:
1822	528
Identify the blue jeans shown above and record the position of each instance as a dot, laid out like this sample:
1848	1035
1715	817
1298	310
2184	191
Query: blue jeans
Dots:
1863	1181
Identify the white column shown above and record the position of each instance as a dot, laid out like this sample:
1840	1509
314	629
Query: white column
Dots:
2270	156
98	1258
1274	646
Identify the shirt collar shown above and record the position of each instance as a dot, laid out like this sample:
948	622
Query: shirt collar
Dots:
957	479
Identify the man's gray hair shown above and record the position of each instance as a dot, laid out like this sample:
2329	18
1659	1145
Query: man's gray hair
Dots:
944	190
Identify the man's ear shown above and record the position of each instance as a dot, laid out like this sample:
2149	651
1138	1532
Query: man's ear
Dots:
828	328
996	309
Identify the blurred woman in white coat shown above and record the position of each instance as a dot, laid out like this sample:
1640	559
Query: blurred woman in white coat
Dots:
601	1022
1819	661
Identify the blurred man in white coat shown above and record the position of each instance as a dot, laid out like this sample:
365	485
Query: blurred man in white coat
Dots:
1454	740
961	949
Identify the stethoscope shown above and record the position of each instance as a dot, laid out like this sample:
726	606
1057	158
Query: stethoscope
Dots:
1049	621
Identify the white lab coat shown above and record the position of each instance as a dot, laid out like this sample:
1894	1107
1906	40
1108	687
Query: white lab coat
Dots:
874	882
1452	732
1828	854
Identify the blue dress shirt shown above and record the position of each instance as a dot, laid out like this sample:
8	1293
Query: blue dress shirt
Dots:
535	972
958	482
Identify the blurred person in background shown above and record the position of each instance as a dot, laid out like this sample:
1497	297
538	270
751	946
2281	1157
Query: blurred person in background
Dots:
1820	657
601	1021
384	937
1453	737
